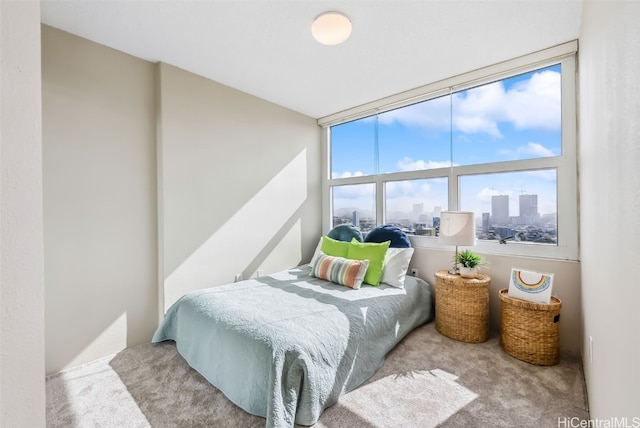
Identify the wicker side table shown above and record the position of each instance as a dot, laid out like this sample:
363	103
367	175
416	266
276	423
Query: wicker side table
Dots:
462	306
530	331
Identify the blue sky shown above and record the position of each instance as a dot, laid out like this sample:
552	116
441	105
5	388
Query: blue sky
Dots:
516	118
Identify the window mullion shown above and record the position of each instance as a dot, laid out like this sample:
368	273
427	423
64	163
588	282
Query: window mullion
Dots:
508	166
327	204
454	200
380	204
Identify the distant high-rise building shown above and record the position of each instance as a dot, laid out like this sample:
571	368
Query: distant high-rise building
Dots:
528	205
500	209
486	221
528	209
424	218
354	219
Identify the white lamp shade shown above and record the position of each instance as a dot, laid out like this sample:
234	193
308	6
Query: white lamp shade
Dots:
457	228
331	28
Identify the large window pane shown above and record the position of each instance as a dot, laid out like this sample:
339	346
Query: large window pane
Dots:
514	206
415	137
415	205
515	118
355	204
498	149
353	148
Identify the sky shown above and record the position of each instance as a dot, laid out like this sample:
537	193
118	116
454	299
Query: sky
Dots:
515	118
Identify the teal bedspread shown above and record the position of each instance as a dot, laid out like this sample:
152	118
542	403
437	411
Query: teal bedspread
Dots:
287	346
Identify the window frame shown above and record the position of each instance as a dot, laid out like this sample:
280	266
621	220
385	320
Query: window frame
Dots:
565	164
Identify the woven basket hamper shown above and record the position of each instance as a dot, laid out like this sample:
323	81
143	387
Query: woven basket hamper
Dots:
530	331
462	308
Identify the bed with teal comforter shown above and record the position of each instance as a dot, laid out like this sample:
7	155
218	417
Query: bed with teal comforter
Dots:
288	345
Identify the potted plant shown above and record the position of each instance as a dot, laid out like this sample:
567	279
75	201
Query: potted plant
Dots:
468	263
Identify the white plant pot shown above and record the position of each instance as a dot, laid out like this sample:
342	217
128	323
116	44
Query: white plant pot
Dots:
466	272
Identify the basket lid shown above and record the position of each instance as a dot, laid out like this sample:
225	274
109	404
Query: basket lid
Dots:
554	304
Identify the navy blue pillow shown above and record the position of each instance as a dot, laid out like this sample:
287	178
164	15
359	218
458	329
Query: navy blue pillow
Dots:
391	233
345	232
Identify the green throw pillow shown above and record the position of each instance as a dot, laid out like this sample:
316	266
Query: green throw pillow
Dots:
334	248
373	252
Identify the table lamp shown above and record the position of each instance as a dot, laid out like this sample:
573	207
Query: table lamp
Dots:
457	228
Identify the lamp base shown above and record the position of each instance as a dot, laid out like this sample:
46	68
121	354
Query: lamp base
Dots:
455	270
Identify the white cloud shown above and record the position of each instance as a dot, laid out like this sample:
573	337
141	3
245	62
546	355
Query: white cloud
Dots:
536	149
544	174
408	164
400	195
399	189
477	124
347	174
535	103
531	104
357	196
479	109
484	195
531	149
432	114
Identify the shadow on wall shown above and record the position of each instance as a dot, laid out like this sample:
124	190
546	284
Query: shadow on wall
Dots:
265	233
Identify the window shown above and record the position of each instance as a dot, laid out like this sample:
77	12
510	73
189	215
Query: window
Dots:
353	149
415	137
355	204
415	205
501	145
514	118
519	206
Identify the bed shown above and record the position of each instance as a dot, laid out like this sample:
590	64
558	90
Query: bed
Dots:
288	345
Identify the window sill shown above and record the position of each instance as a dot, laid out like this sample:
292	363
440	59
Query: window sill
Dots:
513	249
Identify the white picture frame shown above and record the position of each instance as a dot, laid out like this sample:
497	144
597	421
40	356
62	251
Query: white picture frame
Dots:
530	285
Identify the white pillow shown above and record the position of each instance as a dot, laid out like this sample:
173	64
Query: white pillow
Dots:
396	264
316	253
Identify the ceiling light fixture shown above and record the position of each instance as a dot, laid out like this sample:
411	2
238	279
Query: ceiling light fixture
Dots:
331	28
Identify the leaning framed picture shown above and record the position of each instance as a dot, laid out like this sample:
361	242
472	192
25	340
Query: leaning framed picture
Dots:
529	285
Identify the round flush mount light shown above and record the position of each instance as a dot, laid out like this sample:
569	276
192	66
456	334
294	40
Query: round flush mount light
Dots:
331	28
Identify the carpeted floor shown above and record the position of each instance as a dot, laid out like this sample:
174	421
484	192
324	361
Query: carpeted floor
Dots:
428	380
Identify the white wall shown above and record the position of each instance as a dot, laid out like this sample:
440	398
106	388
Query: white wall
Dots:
22	396
240	183
566	286
609	159
99	199
149	169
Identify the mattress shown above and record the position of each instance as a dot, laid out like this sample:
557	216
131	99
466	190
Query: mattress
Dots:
288	345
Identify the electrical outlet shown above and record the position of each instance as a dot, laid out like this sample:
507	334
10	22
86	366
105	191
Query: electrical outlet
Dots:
414	272
238	277
260	272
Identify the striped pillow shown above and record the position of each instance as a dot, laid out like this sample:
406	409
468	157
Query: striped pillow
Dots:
340	270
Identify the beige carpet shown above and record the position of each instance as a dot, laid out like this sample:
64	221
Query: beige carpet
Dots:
428	380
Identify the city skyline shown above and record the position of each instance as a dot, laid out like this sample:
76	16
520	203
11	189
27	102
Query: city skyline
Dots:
512	119
528	225
418	209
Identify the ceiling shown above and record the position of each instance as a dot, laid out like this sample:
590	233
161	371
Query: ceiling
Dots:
265	47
